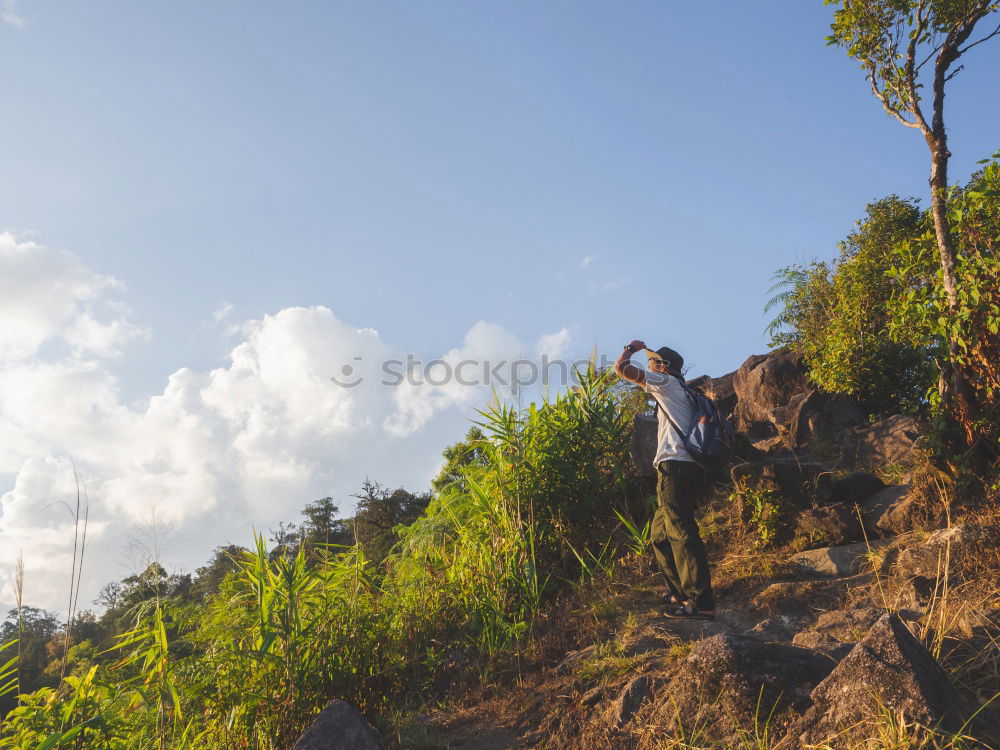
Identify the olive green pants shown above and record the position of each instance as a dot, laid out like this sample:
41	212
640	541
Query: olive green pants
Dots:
677	544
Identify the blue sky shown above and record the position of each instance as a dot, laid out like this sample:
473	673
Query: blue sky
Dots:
591	171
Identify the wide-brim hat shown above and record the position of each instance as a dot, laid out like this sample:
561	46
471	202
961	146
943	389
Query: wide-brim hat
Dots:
668	356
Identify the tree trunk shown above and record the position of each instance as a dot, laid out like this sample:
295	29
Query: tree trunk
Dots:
957	395
939	212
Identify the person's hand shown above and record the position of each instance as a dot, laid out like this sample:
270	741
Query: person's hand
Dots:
637	345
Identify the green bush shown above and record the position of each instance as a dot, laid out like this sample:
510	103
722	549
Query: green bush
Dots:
836	316
875	322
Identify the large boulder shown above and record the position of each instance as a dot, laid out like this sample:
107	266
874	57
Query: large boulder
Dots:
728	680
339	727
893	440
898	509
817	421
888	667
763	383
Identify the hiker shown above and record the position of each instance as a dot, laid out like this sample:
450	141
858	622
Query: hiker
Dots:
680	484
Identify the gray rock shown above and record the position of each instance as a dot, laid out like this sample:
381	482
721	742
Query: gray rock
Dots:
574	659
834	562
339	727
819	418
630	699
943	547
909	513
778	628
893	440
876	509
891	664
847	625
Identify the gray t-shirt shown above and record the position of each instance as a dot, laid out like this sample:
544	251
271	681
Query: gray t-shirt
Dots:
672	399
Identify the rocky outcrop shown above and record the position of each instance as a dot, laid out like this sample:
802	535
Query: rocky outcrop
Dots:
339	727
816	420
727	680
888	667
763	383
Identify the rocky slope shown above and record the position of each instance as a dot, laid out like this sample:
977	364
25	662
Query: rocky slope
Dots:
858	599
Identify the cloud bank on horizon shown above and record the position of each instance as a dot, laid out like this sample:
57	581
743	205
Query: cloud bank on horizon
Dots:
217	452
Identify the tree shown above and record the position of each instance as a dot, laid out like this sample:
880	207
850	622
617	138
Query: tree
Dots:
322	527
894	40
379	512
39	630
209	577
458	458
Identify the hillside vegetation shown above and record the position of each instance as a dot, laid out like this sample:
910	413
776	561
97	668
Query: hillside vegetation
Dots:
516	605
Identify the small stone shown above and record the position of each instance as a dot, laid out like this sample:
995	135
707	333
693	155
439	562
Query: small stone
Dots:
339	727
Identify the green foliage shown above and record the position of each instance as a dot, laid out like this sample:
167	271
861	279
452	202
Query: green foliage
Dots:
894	39
836	316
764	511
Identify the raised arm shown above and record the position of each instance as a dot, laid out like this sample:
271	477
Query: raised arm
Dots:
624	366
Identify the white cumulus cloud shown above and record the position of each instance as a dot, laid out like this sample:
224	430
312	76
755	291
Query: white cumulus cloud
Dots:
217	452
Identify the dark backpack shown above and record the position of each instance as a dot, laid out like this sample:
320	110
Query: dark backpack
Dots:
709	439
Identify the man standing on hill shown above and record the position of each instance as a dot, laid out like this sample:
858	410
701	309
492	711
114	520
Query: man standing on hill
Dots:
680	484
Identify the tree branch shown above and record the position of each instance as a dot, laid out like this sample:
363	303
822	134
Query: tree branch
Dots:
988	36
885	102
911	73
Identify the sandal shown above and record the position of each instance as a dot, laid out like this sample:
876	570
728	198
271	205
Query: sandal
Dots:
690	612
